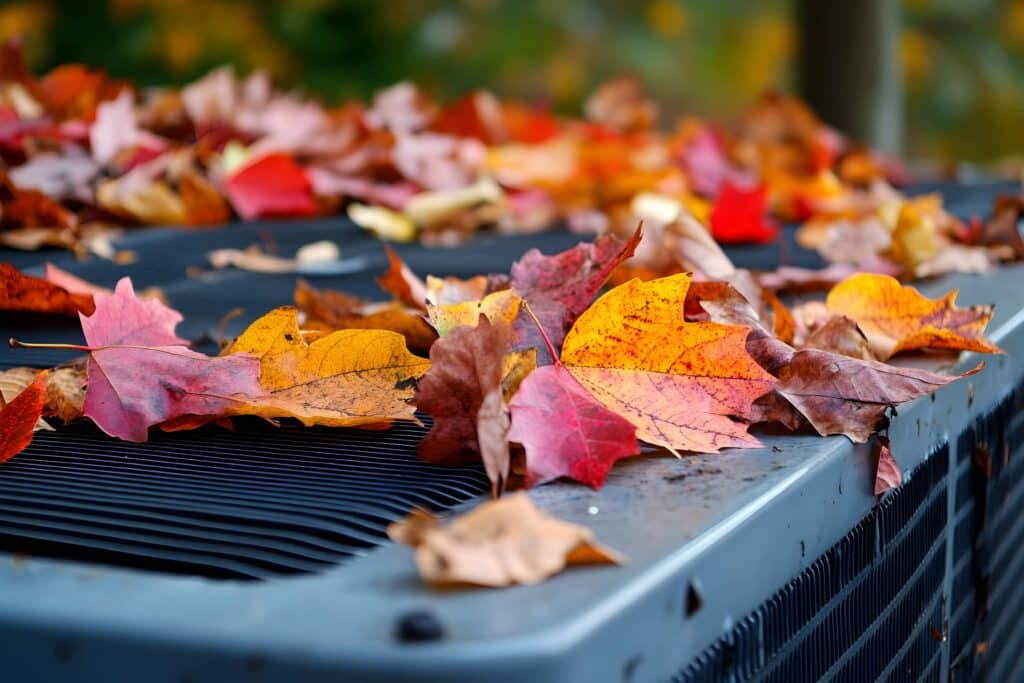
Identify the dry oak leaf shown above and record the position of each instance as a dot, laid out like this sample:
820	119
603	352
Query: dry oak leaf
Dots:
19	417
684	385
897	317
462	391
503	305
20	292
347	378
500	543
564	430
887	474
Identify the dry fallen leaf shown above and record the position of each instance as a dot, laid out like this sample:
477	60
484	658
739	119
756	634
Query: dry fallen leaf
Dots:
682	384
835	393
323	257
896	317
462	391
400	281
500	543
65	394
887	474
840	335
346	378
20	292
502	305
329	310
13	382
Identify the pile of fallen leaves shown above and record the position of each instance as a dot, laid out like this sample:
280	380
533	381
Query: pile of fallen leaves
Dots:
83	155
524	372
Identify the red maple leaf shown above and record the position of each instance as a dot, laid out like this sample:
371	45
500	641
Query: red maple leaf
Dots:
740	215
19	417
271	186
564	430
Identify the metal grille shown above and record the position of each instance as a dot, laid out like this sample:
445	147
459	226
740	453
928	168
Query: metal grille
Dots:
873	607
988	579
862	611
252	504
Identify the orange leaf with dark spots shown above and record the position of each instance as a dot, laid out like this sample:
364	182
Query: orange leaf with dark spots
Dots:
19	417
686	386
897	317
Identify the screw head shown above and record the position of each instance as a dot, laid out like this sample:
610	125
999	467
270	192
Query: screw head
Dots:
419	626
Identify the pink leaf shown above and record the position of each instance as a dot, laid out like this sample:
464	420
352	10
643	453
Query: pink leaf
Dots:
123	318
116	128
888	475
132	388
708	165
72	283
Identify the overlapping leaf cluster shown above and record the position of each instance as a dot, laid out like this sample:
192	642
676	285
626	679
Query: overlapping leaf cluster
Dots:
527	373
83	152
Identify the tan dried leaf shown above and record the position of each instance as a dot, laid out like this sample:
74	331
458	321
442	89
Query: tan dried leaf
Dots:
500	543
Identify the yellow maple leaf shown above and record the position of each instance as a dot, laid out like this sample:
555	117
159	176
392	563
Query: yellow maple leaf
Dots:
346	378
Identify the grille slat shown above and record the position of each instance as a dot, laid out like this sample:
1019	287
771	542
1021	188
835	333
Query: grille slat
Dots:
256	503
103	515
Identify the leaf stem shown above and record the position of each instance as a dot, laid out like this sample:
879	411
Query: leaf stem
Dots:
543	334
15	344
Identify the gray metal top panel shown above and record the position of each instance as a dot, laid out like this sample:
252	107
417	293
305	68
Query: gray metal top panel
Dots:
739	524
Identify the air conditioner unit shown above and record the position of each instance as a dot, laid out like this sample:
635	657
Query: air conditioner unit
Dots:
260	554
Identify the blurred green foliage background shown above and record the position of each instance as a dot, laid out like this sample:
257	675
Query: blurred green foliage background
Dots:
963	60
